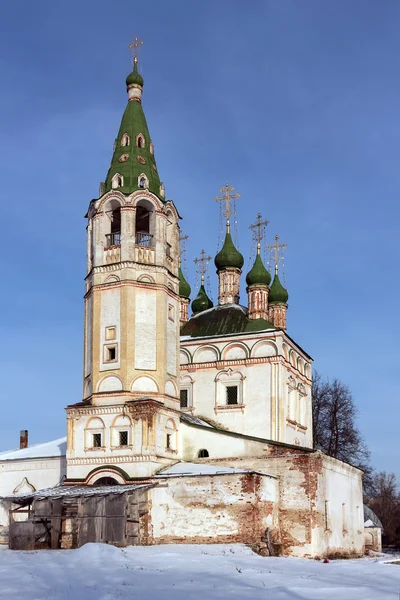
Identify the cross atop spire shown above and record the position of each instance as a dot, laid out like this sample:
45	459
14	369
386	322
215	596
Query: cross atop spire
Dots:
258	230
202	264
227	198
133	47
276	252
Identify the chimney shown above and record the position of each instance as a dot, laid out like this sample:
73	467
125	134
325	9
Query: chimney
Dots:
23	438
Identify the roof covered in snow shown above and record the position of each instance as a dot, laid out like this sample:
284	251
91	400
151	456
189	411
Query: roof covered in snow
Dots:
46	450
370	518
186	417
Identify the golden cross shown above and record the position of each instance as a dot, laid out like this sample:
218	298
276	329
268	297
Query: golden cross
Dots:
227	198
201	264
133	47
258	230
276	251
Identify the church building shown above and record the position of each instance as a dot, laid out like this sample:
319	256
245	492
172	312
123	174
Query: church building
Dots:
195	423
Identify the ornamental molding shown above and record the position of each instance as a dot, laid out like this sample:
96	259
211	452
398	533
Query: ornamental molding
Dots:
106	460
222	364
135	283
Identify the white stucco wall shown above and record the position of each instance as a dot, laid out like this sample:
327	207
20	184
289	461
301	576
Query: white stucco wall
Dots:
18	476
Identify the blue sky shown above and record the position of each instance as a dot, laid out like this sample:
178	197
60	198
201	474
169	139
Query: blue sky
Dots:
294	103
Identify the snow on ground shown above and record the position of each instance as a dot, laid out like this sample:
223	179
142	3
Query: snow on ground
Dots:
101	572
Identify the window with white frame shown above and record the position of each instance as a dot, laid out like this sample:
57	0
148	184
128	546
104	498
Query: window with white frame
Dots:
186	392
229	388
95	434
170	436
121	432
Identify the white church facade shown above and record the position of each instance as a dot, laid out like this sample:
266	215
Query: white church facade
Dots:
207	420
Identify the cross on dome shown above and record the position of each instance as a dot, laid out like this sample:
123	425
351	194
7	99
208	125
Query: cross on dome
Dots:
133	47
227	198
202	264
258	230
276	252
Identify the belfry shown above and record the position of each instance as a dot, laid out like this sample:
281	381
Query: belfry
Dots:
132	312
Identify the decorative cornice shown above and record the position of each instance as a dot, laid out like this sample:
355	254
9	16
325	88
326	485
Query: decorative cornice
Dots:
100	460
135	283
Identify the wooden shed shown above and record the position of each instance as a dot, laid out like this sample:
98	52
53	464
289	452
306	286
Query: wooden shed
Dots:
71	516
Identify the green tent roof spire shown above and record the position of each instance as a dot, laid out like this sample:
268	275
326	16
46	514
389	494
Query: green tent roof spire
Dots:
133	165
277	294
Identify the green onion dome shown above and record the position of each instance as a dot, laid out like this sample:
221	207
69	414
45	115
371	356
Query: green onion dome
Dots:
134	77
258	274
184	287
201	302
277	294
228	256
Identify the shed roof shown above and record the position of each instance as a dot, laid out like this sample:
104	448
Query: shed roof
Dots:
74	490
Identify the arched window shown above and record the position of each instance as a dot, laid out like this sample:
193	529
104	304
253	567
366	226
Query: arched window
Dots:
203	453
117	181
95	434
125	140
144	223
143	181
113	212
121	432
140	143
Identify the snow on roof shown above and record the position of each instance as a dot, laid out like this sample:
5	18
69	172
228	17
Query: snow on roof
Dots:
187	468
46	450
74	490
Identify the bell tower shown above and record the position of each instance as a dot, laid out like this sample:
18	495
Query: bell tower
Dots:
127	423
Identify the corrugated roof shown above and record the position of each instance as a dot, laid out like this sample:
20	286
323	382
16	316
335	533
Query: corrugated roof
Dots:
74	490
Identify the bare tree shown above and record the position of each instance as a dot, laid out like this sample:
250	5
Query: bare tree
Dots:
334	423
385	502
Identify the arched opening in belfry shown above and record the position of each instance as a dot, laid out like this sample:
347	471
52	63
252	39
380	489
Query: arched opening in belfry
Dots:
144	223
113	224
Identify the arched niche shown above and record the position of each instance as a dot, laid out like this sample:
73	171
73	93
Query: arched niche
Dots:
184	357
144	384
264	349
235	352
111	383
170	389
205	354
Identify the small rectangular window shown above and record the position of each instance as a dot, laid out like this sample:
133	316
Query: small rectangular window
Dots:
168	250
110	333
184	398
169	441
97	440
232	394
123	438
110	353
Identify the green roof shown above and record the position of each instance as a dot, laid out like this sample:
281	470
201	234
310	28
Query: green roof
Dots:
258	274
202	301
277	294
184	287
223	320
228	256
131	160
